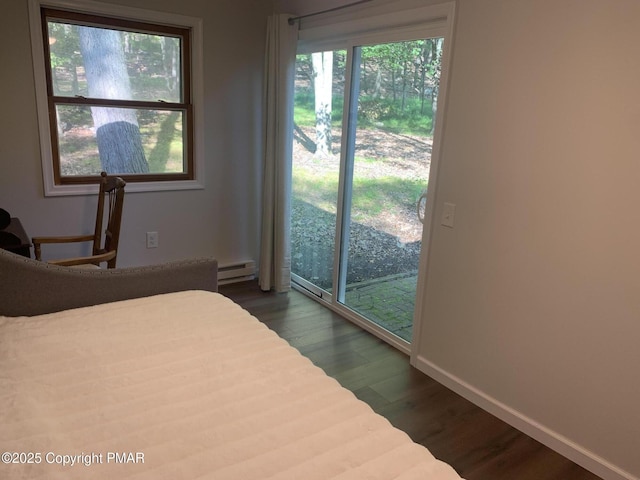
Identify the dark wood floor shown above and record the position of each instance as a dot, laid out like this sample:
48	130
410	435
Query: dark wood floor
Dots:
478	445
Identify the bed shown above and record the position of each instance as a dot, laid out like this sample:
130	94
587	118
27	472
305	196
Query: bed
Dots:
181	385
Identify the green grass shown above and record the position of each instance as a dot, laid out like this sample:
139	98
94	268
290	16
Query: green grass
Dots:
371	196
319	190
304	116
304	111
166	153
373	113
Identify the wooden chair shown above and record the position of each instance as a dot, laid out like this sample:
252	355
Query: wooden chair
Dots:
112	189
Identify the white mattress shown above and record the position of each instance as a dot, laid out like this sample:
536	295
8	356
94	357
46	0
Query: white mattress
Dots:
183	386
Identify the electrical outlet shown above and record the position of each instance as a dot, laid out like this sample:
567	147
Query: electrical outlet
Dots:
152	239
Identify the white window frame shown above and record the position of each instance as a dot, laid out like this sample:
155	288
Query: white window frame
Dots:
130	13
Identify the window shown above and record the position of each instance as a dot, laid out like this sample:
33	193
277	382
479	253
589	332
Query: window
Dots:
116	95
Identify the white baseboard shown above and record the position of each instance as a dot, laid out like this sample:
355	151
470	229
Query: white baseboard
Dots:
557	442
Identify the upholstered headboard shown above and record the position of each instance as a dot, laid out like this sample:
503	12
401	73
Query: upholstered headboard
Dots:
29	287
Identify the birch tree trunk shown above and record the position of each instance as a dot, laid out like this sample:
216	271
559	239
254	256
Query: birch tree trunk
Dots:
117	130
323	75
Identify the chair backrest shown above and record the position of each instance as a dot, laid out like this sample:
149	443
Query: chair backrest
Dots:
112	193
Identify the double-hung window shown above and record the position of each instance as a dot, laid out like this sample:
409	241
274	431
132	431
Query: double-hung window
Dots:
118	98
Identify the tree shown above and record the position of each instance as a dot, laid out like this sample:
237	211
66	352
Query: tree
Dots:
170	63
117	130
322	81
434	67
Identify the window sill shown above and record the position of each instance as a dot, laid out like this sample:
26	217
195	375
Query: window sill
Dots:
132	187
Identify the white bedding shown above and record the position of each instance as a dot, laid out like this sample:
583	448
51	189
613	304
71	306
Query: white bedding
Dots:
183	386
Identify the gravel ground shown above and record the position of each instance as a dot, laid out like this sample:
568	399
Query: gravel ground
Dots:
372	253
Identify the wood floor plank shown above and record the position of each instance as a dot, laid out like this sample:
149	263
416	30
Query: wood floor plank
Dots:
477	444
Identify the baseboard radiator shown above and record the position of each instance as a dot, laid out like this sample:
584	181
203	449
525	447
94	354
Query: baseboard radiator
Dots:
236	272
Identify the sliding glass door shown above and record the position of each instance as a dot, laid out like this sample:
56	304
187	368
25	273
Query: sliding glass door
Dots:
319	94
364	121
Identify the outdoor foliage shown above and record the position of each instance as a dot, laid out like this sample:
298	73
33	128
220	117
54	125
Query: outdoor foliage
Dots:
398	86
111	64
151	61
398	92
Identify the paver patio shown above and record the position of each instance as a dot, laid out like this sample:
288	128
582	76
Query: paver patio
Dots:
388	301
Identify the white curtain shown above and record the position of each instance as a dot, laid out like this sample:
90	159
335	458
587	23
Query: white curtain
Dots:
275	251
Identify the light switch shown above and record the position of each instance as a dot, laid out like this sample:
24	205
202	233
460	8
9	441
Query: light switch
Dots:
448	212
152	239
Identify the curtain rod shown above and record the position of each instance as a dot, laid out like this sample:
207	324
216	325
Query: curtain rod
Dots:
292	20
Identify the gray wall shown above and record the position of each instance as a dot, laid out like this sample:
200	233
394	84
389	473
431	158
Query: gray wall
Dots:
533	299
